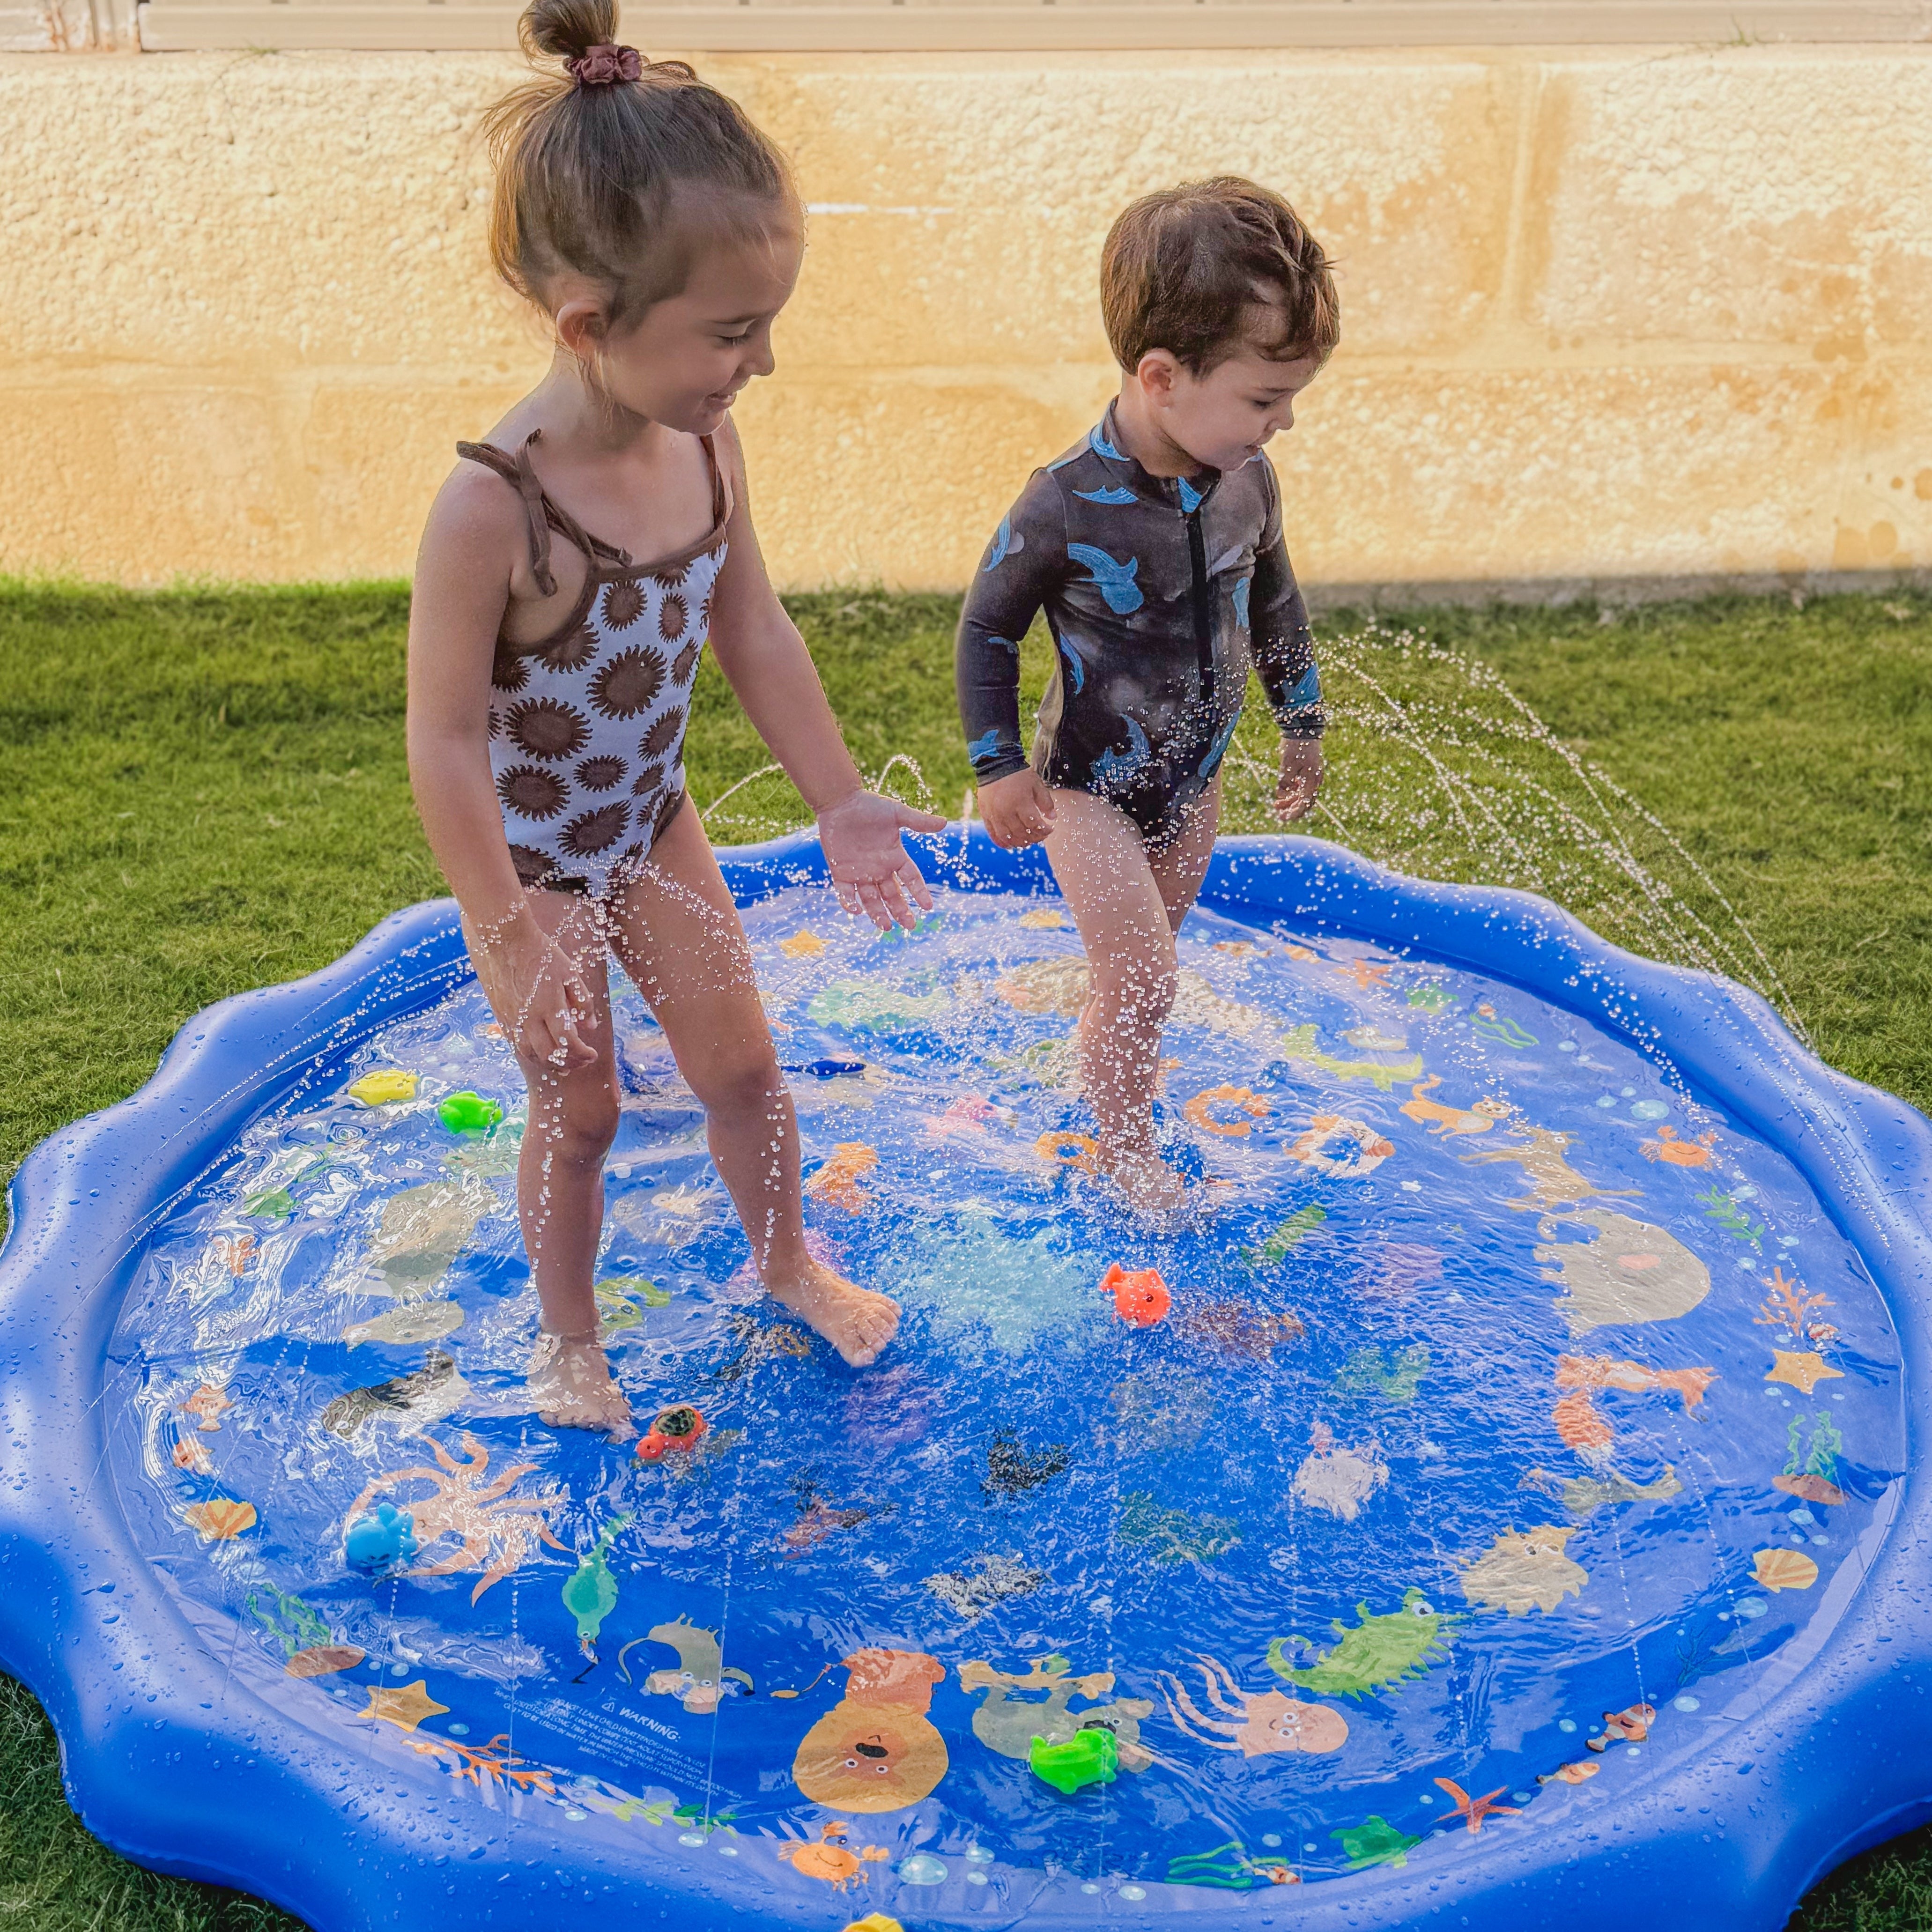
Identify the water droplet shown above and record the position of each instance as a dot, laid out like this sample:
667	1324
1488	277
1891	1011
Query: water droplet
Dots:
691	1837
980	1856
575	1817
1270	1839
1566	1723
1089	1889
1687	1702
1134	1891
922	1868
975	1878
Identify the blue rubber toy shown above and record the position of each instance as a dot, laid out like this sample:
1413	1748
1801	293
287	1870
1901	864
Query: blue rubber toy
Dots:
381	1539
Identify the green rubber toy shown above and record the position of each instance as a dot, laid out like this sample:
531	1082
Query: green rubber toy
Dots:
1087	1757
467	1113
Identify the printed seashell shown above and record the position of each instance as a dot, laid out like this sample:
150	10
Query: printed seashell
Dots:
1783	1570
222	1519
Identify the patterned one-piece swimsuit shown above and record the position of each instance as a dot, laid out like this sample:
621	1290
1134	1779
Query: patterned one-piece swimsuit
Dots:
586	727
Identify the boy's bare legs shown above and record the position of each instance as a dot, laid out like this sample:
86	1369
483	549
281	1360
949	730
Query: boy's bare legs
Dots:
573	1120
677	933
1128	905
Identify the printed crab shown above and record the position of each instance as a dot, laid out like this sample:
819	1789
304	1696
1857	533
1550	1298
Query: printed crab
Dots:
495	1530
829	1859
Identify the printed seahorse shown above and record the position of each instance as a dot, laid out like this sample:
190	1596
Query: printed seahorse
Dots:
1113	579
1300	1044
590	1591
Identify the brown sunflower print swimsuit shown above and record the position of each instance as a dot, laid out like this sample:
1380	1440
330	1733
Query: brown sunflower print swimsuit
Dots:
586	727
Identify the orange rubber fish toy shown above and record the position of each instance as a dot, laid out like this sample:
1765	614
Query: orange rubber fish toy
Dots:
1140	1296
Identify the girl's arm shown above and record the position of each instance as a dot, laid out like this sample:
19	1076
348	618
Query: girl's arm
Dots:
765	661
461	591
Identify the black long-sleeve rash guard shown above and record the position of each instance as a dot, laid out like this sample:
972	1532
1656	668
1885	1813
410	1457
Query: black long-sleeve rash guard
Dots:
1159	592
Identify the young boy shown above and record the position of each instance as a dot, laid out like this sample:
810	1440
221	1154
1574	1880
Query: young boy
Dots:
1155	547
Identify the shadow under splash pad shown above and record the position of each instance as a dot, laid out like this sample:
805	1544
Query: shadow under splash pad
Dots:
1511	1517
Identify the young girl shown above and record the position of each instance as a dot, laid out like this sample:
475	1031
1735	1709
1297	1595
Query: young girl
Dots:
573	567
1154	546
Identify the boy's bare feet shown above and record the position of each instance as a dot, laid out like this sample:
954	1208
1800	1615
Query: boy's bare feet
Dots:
571	1383
1150	1186
856	1321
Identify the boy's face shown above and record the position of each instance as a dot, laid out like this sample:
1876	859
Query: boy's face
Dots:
1228	416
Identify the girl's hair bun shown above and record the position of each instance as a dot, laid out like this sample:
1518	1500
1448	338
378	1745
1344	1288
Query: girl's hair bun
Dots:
567	29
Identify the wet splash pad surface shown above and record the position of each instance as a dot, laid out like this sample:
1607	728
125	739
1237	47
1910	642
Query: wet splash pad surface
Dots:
1513	1487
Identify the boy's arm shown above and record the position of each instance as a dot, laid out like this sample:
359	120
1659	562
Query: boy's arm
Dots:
765	661
1284	654
1284	644
1007	590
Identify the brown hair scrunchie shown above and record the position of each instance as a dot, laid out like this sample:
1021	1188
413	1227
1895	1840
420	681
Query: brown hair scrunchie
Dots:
604	66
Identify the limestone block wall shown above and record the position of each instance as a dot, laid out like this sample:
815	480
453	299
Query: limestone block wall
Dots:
1612	316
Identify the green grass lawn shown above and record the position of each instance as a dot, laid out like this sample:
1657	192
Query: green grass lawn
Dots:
204	791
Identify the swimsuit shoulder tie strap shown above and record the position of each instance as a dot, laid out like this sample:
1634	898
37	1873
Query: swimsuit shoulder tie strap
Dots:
542	515
721	503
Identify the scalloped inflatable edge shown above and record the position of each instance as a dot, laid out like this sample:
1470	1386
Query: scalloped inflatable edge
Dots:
150	1755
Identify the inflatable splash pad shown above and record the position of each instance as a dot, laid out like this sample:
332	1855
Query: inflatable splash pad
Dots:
1494	1505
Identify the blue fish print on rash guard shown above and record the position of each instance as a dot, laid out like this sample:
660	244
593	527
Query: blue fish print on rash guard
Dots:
1005	540
1077	653
1115	579
1154	641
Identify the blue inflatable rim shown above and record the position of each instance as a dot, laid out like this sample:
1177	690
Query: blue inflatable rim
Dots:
159	1764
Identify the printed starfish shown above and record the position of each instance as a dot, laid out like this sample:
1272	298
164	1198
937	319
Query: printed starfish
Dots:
1475	1809
1802	1371
1365	975
405	1708
805	945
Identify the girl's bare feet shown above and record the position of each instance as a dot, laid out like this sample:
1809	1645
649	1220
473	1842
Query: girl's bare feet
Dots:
1150	1186
571	1383
856	1321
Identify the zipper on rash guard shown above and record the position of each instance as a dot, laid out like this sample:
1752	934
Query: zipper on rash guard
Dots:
1204	608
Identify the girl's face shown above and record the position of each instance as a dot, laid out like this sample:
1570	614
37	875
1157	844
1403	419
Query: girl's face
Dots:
684	360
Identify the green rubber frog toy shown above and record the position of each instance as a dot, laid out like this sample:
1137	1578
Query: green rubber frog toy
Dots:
467	1113
1087	1757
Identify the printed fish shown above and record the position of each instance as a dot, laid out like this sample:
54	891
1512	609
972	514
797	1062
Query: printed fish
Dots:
1298	1046
997	1579
838	1180
422	1399
414	1322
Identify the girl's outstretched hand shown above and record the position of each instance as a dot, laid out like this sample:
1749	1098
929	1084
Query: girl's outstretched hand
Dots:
872	871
